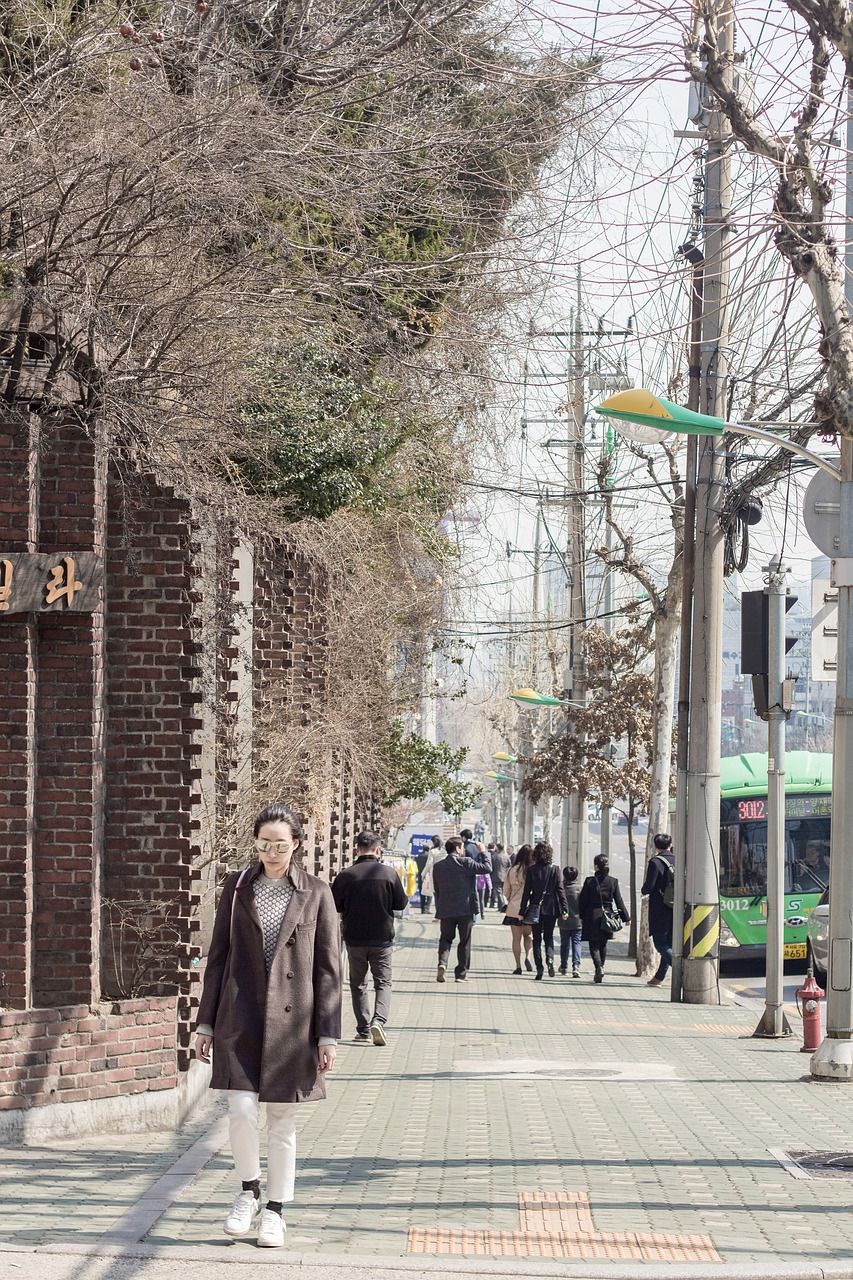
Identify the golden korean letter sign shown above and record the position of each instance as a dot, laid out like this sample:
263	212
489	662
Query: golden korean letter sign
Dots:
50	582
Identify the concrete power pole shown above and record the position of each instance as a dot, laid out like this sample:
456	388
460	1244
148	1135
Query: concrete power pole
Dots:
574	807
700	956
605	842
834	1058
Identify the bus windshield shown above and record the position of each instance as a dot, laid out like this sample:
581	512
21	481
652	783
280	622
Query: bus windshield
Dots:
743	846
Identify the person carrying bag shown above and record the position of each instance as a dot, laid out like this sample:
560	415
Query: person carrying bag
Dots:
602	911
543	901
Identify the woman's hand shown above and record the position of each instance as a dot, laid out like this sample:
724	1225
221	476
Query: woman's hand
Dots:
328	1053
203	1045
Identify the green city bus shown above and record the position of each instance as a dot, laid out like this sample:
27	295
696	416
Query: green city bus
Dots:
743	849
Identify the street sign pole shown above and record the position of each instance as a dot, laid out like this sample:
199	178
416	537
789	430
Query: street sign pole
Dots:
773	1021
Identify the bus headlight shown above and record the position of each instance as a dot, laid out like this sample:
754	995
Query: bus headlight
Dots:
727	938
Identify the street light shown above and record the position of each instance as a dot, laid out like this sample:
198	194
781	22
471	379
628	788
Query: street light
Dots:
659	418
530	698
505	757
834	1058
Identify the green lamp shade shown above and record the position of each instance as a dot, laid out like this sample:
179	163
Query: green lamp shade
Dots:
640	408
505	757
498	777
534	699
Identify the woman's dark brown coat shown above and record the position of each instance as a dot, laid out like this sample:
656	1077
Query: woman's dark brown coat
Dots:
265	1030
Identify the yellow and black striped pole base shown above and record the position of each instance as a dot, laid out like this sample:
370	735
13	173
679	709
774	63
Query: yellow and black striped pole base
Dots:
701	929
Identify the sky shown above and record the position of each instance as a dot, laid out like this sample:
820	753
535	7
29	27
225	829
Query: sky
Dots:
616	212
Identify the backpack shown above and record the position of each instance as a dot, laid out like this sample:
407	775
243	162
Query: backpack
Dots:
668	893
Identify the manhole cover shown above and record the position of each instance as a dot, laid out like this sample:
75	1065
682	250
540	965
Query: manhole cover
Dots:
542	1069
825	1164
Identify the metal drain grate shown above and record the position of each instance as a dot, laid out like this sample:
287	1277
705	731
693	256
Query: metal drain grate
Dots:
824	1164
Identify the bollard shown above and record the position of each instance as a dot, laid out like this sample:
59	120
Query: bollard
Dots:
811	995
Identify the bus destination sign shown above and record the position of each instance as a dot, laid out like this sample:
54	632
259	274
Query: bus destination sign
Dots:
795	807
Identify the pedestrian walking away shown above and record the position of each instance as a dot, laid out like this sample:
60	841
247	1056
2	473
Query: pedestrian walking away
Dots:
270	1012
542	903
367	894
424	870
570	927
601	907
522	934
454	884
659	886
484	884
500	866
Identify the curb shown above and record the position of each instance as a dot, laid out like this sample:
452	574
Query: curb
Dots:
403	1266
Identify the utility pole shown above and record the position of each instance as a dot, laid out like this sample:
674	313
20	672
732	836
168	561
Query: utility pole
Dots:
688	558
605	841
574	806
833	1060
701	940
526	807
773	1021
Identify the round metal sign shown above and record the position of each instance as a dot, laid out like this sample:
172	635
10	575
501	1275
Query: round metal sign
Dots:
822	513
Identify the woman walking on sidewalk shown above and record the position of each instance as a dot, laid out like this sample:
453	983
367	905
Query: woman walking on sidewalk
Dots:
514	891
545	899
570	927
599	897
271	1012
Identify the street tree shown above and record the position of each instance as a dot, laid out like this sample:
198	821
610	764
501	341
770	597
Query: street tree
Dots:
606	753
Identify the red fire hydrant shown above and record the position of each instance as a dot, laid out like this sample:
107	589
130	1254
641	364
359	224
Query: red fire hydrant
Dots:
811	995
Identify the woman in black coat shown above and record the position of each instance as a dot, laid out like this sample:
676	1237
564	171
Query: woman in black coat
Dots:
271	1012
543	888
599	891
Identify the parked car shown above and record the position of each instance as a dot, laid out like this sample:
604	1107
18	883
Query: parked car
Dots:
817	941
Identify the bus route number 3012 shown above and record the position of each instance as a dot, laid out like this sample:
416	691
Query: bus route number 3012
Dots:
751	810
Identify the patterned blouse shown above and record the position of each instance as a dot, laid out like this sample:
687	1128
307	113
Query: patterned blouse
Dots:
272	898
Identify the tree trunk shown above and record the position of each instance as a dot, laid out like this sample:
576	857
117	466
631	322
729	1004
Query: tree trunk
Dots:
632	879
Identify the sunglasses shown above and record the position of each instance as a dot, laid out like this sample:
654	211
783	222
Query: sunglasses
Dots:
273	846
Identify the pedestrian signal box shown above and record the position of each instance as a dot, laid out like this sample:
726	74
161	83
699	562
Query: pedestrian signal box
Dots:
755	646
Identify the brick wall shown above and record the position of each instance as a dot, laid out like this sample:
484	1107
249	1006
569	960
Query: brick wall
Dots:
115	764
70	725
152	780
73	1052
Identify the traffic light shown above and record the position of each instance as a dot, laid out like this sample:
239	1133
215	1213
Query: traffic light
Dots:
755	644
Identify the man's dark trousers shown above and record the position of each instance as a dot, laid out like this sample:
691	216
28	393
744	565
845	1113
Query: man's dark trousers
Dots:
376	960
449	928
662	938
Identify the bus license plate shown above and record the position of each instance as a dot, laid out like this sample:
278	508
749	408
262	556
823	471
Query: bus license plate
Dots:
795	951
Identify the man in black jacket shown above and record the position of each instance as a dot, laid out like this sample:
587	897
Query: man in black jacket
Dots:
658	884
454	881
367	894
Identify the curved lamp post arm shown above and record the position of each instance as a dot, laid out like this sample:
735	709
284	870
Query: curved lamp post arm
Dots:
740	429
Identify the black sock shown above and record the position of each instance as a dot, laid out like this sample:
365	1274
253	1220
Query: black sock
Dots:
254	1186
276	1206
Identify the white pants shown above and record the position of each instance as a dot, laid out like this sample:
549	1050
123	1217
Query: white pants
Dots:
243	1112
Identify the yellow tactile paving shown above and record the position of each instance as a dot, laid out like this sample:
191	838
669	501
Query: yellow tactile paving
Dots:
559	1224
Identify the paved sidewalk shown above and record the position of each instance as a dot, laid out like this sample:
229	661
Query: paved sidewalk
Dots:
554	1127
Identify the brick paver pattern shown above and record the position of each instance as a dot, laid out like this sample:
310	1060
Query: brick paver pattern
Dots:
409	1155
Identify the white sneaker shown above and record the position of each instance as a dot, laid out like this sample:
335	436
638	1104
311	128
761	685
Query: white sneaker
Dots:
378	1034
245	1212
271	1231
